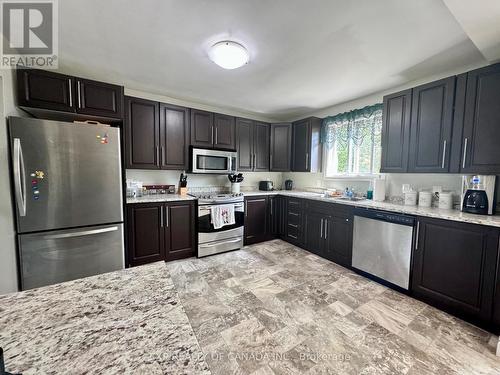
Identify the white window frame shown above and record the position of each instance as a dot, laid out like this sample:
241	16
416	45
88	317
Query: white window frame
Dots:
348	176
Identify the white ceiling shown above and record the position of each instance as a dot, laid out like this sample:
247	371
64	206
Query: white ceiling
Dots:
305	54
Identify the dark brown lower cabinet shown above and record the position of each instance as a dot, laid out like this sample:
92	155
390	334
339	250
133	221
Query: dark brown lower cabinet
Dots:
328	232
146	234
338	233
294	223
160	231
256	219
454	267
180	230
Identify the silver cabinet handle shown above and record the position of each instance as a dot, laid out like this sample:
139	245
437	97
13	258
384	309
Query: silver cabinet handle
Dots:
162	155
78	96
321	229
70	93
216	135
417	235
161	217
326	229
19	177
246	208
271	161
307	159
293	225
81	233
347	220
444	154
167	214
271	199
466	140
212	134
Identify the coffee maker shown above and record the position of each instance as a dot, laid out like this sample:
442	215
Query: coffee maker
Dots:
478	194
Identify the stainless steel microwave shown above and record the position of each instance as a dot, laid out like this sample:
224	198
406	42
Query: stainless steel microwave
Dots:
212	161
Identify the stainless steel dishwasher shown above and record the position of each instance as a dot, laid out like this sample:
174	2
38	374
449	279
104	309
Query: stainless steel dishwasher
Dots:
382	244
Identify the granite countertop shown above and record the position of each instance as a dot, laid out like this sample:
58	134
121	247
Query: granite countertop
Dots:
124	322
454	215
160	198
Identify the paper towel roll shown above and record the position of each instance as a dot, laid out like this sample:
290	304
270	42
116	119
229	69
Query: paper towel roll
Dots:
379	190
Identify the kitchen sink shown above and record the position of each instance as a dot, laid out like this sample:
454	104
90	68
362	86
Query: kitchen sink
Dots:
354	199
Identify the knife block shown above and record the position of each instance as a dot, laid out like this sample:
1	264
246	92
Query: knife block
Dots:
183	190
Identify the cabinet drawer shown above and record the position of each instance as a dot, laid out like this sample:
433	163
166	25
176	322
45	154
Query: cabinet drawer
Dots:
293	231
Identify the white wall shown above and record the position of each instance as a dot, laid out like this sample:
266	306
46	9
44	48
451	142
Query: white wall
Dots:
8	267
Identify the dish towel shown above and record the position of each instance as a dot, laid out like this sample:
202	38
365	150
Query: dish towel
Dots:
222	215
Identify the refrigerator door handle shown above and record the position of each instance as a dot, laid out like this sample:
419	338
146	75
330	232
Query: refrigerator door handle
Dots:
19	177
81	233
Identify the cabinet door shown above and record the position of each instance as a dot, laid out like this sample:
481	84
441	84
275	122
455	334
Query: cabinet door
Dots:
224	129
396	132
454	266
280	154
142	132
256	217
274	216
174	137
244	143
99	98
43	89
301	143
202	131
145	228
338	236
261	146
180	233
480	147
431	126
315	232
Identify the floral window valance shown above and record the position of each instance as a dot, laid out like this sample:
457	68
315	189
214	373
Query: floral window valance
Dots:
353	126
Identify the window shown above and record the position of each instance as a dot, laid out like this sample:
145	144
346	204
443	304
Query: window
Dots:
352	142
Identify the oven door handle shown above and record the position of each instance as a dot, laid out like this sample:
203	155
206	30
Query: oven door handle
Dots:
208	208
210	244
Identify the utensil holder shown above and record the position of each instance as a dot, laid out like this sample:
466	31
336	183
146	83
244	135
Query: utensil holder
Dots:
235	187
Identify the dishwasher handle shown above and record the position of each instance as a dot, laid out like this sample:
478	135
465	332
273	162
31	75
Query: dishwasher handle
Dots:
390	217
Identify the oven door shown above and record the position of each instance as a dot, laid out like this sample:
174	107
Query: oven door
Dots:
207	232
212	161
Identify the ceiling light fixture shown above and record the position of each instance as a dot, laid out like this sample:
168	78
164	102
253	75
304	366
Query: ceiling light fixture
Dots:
229	55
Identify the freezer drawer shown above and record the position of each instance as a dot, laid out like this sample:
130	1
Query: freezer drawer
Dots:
53	257
65	175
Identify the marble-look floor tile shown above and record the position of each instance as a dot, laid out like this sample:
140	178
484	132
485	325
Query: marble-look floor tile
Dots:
385	316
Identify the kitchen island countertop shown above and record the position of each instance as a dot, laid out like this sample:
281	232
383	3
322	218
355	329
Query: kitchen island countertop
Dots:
124	322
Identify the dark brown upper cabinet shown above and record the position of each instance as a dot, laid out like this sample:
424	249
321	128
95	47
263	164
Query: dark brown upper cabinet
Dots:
396	132
212	130
142	134
281	147
481	122
252	144
306	146
47	90
224	129
244	144
202	131
174	137
58	96
261	146
431	126
454	266
99	98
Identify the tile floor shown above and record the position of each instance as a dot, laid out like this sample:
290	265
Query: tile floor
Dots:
273	308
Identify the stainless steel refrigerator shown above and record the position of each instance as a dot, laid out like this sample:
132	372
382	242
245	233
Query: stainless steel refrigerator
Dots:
67	188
